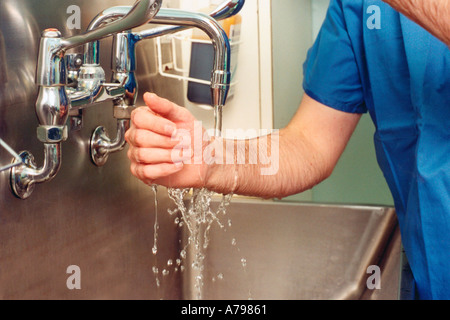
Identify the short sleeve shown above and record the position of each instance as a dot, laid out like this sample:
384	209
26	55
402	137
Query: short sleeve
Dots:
331	74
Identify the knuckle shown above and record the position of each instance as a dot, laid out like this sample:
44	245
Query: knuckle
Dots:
139	155
139	138
137	115
134	114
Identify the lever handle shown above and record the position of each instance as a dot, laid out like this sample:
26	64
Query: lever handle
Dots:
141	13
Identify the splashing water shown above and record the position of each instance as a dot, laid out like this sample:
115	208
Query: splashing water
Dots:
197	217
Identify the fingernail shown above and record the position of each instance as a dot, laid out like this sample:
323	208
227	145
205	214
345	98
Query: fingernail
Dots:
179	164
170	130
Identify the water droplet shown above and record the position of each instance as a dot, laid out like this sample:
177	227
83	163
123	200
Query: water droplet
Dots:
165	272
155	270
220	276
244	262
155	250
233	242
169	262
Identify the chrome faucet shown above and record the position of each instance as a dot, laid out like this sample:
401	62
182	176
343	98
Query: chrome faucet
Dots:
124	64
54	100
59	98
221	75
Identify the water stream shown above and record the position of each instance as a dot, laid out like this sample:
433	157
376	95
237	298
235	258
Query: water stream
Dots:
195	215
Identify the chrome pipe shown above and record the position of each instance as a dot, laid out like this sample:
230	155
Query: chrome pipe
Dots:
221	76
123	67
102	146
24	177
225	10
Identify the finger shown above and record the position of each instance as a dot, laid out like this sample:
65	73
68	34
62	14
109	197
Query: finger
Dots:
149	139
154	172
156	155
145	119
167	109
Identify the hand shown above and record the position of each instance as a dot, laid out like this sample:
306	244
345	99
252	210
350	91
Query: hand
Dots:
155	136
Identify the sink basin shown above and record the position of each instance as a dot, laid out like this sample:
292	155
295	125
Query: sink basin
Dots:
275	251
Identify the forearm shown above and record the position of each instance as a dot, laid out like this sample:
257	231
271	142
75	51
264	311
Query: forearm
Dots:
273	166
433	15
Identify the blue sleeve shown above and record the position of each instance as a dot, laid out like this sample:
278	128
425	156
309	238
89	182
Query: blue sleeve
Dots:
331	74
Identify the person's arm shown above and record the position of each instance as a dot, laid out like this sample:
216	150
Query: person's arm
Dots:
309	148
433	15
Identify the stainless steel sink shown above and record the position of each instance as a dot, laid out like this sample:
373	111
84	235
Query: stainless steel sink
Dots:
286	251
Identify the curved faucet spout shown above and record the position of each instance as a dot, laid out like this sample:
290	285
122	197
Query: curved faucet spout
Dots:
220	79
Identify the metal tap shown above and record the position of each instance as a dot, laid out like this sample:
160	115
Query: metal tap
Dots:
124	64
53	102
221	76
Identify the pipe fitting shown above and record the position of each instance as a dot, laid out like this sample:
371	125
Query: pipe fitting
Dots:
23	178
101	145
52	134
123	111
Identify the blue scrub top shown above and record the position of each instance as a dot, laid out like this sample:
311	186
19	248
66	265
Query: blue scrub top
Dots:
368	57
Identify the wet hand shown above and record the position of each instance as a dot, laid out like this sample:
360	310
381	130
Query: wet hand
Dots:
155	136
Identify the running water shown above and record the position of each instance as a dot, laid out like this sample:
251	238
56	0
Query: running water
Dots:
198	218
193	212
155	236
156	227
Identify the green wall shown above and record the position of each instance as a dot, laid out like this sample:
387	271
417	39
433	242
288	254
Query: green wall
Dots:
357	178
